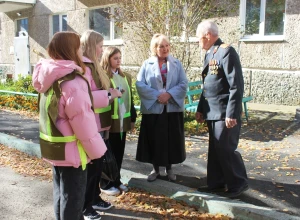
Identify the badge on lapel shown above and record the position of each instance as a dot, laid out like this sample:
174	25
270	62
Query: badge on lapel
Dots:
213	67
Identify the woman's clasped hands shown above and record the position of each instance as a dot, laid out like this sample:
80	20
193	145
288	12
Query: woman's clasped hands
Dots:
163	98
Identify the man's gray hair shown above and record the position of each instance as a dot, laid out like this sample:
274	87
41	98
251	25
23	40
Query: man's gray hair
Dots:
207	26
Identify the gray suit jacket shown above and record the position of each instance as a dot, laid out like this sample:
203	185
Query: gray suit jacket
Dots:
223	83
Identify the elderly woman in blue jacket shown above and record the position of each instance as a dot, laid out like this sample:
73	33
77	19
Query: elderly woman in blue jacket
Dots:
161	85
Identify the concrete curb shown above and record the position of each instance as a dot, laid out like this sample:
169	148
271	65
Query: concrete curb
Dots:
206	202
21	145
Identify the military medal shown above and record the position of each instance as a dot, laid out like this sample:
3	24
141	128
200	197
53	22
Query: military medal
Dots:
213	67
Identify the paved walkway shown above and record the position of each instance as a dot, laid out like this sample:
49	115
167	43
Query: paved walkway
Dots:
270	146
26	198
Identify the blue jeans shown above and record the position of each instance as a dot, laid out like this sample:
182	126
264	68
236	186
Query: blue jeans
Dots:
69	184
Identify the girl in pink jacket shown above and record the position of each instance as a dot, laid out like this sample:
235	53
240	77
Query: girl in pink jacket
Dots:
69	136
92	43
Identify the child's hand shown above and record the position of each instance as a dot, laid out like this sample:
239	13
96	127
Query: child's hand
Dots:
115	93
121	90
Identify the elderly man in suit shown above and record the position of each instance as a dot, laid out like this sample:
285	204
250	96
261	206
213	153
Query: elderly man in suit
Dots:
220	106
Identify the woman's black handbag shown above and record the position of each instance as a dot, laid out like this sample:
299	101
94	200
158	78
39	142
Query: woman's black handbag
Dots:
110	168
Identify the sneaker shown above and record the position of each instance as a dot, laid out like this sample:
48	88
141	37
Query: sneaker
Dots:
93	215
102	205
171	175
123	188
152	176
112	191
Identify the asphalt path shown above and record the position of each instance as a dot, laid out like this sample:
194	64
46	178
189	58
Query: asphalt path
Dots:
269	144
26	198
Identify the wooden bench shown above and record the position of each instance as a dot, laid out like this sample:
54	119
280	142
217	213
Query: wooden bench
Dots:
194	92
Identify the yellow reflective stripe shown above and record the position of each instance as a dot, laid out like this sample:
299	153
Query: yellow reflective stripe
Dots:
127	114
82	155
64	139
48	125
101	110
129	94
115	113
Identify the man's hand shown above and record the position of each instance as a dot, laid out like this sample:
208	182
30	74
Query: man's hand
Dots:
230	122
164	98
199	117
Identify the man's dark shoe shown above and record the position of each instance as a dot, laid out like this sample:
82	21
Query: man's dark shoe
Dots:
211	189
232	193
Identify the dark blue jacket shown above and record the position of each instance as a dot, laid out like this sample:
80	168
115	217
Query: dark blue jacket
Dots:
223	83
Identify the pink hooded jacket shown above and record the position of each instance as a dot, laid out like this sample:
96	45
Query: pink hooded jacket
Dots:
100	101
75	115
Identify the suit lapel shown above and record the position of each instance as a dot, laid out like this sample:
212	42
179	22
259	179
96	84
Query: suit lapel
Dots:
210	53
208	57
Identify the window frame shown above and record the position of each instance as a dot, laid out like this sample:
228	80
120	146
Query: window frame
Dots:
260	36
111	41
16	25
60	22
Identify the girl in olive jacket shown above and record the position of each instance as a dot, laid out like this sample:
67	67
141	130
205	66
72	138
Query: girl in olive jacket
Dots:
122	112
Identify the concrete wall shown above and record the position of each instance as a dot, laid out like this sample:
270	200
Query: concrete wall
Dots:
275	66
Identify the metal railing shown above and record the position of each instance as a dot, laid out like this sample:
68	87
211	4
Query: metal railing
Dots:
19	93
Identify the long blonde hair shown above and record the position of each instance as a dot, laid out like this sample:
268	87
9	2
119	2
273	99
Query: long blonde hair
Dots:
89	39
105	61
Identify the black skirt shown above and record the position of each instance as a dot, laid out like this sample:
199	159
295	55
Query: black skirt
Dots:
161	140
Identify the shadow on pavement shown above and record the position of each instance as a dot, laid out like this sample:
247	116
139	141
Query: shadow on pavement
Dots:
265	126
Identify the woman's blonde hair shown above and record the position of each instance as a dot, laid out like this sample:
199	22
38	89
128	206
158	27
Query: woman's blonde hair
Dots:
105	61
89	39
155	41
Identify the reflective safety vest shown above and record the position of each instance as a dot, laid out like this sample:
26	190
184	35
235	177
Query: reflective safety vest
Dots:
105	112
115	114
52	142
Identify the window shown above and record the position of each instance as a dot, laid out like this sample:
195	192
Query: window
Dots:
22	25
59	23
105	21
263	18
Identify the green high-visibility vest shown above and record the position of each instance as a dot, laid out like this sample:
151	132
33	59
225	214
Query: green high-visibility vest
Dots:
52	142
115	114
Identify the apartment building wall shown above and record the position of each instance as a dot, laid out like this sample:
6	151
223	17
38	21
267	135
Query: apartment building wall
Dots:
274	65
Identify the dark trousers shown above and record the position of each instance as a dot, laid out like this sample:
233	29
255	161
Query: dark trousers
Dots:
69	185
94	169
118	147
225	165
